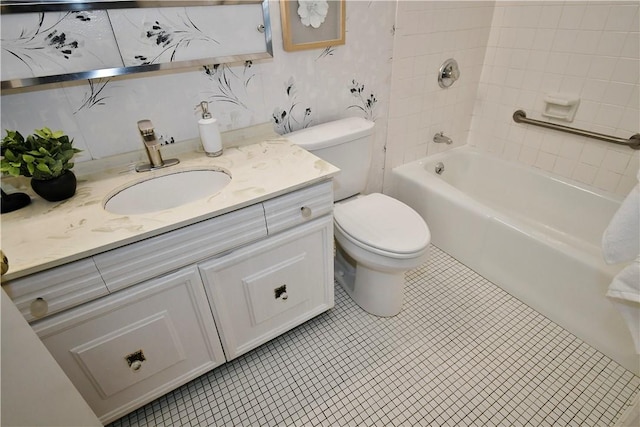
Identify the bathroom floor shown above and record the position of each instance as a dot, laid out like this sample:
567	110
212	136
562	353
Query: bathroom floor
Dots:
462	352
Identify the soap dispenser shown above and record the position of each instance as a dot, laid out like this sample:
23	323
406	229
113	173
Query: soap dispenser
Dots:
209	133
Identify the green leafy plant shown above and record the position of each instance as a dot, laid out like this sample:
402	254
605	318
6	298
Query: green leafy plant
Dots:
44	155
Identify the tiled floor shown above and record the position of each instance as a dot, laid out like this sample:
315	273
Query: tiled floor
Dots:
462	352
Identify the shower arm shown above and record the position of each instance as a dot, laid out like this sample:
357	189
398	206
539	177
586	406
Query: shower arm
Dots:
634	141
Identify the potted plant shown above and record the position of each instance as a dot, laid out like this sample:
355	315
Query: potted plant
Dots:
44	156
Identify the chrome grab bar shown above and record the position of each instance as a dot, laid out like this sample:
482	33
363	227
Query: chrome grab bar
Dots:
634	142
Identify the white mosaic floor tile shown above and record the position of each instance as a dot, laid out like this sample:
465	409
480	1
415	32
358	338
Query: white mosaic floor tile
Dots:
461	353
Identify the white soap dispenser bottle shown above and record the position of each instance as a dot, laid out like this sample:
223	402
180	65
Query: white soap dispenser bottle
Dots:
209	132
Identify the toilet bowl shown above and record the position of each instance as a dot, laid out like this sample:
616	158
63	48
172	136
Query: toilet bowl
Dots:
378	239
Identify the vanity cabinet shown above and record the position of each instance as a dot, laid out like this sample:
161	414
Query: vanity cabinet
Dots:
131	324
128	348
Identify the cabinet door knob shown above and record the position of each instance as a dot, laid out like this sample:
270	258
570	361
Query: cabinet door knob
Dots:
39	307
136	365
4	263
306	211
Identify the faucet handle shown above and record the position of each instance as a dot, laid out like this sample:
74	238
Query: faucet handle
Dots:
145	127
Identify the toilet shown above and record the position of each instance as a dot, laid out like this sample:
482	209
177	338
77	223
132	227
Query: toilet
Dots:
378	238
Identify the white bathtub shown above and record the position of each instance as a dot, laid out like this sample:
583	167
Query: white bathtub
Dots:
535	235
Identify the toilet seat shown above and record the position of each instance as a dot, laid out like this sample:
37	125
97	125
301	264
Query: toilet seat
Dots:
383	225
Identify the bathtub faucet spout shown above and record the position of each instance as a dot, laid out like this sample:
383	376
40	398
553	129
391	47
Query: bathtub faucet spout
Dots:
440	137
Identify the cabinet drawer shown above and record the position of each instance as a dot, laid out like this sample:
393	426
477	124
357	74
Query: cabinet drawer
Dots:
128	348
149	258
259	292
299	207
59	288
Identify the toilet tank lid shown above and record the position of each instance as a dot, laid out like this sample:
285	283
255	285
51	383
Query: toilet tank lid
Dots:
331	133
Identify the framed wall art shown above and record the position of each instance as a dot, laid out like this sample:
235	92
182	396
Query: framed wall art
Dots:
312	24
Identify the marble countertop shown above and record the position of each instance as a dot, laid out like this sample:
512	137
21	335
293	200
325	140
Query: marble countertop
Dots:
45	234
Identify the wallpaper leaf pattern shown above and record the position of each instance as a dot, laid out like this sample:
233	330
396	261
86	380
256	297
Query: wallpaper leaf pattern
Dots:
43	43
169	33
283	118
95	95
327	51
225	79
366	104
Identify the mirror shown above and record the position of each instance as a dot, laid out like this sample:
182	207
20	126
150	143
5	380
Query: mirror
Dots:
49	41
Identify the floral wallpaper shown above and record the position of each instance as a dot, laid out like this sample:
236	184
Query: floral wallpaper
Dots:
50	43
39	44
293	90
161	35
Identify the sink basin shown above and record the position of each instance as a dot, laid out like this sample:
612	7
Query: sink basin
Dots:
167	191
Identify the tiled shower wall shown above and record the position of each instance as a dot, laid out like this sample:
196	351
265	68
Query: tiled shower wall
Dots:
427	34
588	49
511	54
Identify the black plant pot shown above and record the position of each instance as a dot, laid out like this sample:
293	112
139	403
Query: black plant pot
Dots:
56	189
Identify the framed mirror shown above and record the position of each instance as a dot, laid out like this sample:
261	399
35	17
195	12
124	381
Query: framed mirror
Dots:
51	41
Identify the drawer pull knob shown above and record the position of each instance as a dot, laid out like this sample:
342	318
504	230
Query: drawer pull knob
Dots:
135	360
281	292
39	307
306	211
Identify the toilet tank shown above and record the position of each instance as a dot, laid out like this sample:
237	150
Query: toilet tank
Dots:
346	144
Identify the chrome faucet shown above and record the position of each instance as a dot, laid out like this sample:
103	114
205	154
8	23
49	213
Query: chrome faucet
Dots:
152	147
440	137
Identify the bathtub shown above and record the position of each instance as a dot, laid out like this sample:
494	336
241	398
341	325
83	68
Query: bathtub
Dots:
535	235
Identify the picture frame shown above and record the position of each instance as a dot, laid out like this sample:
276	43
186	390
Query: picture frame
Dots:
296	36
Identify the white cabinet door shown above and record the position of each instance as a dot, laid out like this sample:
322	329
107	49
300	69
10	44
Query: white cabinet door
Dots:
133	346
260	291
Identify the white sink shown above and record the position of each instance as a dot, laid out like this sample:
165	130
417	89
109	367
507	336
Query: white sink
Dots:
167	191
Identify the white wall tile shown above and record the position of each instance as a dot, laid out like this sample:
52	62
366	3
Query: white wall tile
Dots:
631	46
617	93
571	15
584	173
621	18
593	155
595	17
586	41
602	67
629	122
586	48
564	166
607	180
627	70
612	43
550	16
616	161
545	161
626	184
527	155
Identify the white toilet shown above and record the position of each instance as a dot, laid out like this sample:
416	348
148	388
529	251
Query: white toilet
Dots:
378	237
